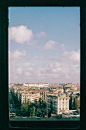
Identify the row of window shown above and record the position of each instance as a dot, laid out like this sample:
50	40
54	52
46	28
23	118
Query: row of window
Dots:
63	109
63	102
63	99
63	106
24	96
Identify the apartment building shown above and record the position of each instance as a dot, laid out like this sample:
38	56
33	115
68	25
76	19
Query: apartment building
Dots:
43	93
31	96
57	103
70	87
19	92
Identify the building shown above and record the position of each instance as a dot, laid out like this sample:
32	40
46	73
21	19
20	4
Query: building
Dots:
69	86
31	96
43	93
39	85
77	102
57	103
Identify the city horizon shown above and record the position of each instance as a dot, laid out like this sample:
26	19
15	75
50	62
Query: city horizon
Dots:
40	83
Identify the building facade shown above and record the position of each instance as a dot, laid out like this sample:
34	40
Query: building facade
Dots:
57	103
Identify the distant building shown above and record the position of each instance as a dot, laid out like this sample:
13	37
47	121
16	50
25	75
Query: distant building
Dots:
39	85
69	86
18	84
25	84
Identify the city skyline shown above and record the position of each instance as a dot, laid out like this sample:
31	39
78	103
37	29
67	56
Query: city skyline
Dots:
44	44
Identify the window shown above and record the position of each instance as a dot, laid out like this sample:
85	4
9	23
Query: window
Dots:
23	54
59	109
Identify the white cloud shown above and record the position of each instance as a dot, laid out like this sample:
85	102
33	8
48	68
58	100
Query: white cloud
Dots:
33	43
20	34
72	56
41	34
17	54
50	45
19	70
63	46
53	72
64	72
37	58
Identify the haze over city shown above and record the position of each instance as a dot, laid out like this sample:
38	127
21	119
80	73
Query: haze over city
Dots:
44	44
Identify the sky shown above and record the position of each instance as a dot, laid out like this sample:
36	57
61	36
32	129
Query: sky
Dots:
44	44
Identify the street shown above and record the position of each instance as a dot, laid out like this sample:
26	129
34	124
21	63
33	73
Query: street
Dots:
42	119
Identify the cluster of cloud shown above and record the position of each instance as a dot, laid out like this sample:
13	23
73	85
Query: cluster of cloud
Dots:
17	54
72	56
50	72
50	69
50	45
20	34
41	34
55	72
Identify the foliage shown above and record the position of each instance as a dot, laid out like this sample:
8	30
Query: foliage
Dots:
29	108
24	107
37	111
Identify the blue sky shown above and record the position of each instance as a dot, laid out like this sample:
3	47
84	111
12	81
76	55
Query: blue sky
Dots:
44	44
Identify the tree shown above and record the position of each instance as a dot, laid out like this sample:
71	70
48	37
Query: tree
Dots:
35	101
44	105
24	109
37	111
29	108
28	102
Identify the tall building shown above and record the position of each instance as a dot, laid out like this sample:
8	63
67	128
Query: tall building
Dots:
57	103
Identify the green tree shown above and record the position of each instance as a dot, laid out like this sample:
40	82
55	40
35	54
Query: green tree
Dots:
28	109
31	111
37	111
24	109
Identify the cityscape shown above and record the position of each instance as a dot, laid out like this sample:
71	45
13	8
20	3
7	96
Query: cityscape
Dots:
44	63
44	100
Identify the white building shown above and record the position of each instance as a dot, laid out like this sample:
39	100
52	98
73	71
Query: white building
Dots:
59	103
30	96
39	85
25	84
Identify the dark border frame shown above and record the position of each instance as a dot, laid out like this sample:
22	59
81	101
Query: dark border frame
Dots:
4	110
